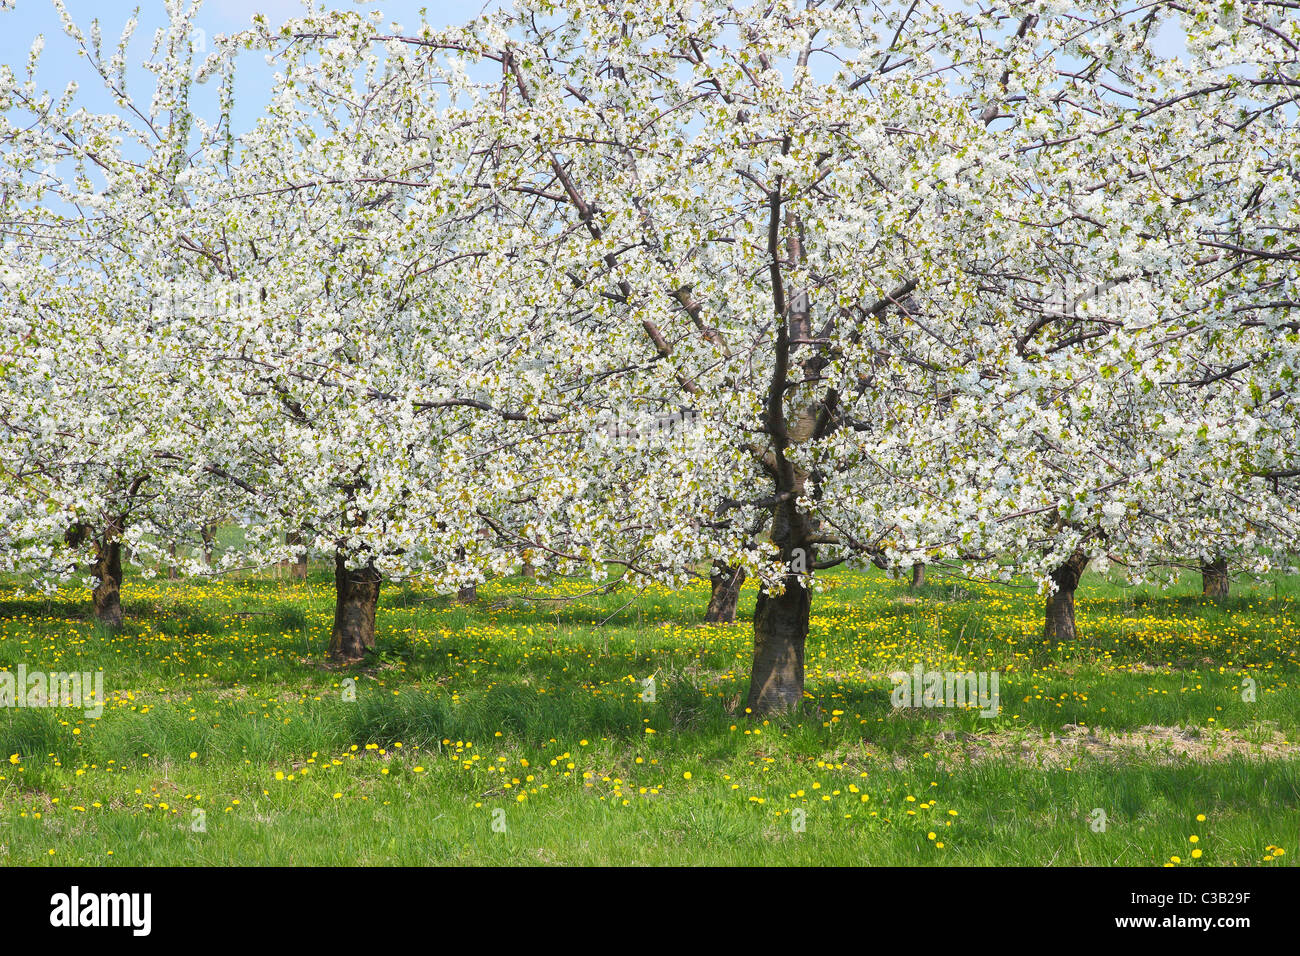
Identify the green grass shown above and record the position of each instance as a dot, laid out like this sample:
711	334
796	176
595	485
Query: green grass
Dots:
220	702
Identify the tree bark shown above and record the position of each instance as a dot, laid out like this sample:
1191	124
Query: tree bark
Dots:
781	620
467	594
780	634
528	571
918	576
1214	579
107	569
1059	624
298	567
356	599
208	533
724	595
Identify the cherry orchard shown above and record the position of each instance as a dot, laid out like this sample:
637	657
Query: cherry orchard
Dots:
95	425
1000	286
836	236
372	392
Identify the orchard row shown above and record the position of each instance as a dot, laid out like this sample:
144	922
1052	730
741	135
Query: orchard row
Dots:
644	291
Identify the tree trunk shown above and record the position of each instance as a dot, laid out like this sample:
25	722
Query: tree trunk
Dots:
208	533
780	633
1214	579
725	586
528	571
298	567
357	596
781	620
1060	605
918	576
467	594
107	569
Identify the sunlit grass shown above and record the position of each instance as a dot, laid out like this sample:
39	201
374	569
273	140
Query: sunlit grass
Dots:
533	716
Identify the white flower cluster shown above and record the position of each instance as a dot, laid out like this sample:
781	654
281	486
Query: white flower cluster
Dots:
927	288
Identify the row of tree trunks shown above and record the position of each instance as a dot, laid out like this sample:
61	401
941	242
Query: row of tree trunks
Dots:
724	593
780	621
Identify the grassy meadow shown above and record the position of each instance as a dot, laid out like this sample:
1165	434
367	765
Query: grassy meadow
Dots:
520	730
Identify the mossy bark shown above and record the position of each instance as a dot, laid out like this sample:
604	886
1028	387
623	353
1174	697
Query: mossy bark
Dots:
1215	582
1060	623
725	593
355	603
781	620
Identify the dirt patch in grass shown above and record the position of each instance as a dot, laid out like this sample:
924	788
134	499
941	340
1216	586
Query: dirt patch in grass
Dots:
1074	743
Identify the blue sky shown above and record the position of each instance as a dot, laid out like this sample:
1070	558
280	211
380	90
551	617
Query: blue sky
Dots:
60	62
30	17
